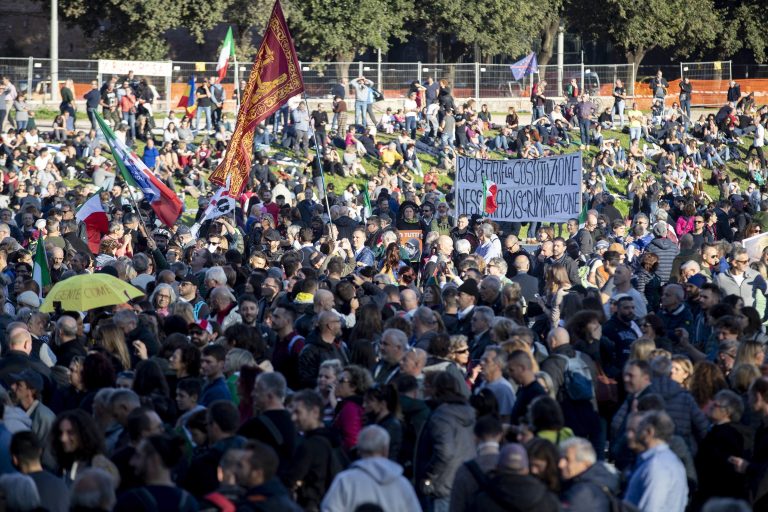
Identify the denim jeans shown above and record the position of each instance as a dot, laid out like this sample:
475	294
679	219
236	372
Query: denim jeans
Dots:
21	125
584	125
618	109
281	116
635	132
360	109
91	117
538	112
685	106
130	120
410	126
208	120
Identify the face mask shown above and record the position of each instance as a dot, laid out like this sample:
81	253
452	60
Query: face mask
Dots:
212	247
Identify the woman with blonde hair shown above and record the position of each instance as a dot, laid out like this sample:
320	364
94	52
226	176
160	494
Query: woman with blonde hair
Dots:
742	376
112	338
641	349
682	369
515	343
184	310
750	352
502	329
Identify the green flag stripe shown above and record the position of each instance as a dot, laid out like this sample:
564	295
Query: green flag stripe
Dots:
110	136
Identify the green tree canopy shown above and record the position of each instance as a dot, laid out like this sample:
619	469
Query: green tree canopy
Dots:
635	28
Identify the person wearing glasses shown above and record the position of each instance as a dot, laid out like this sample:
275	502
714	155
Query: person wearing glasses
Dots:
743	281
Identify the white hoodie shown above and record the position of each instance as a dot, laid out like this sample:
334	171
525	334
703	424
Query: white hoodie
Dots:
372	480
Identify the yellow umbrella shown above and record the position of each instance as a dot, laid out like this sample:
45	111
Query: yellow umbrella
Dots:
89	291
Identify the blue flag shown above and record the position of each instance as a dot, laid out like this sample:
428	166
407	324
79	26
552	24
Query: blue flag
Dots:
524	67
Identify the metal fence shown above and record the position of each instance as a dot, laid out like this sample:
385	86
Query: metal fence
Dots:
476	80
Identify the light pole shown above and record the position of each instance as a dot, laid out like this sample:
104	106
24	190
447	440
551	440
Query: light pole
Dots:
54	50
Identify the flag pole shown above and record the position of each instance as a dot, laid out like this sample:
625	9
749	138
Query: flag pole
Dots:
237	86
319	159
127	184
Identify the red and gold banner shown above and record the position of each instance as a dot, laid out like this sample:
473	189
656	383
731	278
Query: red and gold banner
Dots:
275	77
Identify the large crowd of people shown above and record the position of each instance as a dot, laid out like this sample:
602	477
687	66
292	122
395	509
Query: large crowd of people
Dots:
314	351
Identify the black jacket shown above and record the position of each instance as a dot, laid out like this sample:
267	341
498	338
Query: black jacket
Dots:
346	226
313	468
201	477
516	493
529	285
716	475
585	492
271	496
316	351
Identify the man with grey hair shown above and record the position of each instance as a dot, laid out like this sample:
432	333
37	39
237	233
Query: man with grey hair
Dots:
480	326
674	312
374	480
272	424
393	346
689	269
743	281
122	402
490	292
493	363
489	244
425	327
18	358
94	490
223	307
658	481
463	246
664	248
144	274
498	267
585	479
215	277
67	344
409	299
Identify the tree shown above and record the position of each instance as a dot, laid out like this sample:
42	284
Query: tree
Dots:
635	28
497	26
746	31
135	30
342	29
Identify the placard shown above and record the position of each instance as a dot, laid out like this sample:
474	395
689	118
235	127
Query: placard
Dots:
547	189
755	245
139	67
412	242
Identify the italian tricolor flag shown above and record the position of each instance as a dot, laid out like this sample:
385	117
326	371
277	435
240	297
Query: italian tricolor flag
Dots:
367	209
94	217
489	196
227	52
40	273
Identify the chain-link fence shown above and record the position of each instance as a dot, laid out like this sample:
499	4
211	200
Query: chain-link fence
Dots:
468	80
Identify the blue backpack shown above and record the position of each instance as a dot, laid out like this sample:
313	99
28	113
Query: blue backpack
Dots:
577	384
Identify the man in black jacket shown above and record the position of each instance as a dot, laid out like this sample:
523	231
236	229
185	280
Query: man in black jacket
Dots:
315	462
273	425
529	285
223	420
320	346
513	488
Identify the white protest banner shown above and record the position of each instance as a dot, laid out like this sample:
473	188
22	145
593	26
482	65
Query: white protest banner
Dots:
755	245
140	67
547	189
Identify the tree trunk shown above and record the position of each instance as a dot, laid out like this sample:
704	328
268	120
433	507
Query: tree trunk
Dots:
343	62
635	58
548	38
